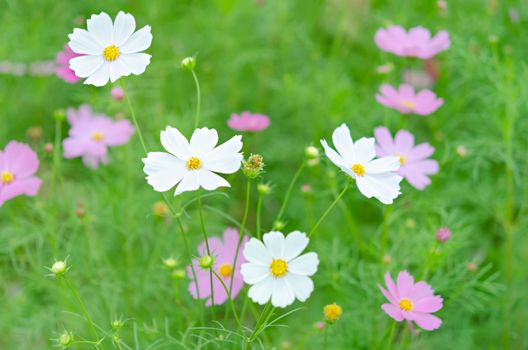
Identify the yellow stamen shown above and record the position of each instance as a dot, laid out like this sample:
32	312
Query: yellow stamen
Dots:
278	267
408	104
406	304
97	136
358	169
111	53
403	160
225	270
7	177
193	163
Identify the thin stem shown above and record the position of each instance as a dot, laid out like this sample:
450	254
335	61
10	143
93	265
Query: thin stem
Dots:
198	99
84	311
256	331
290	188
133	116
325	337
387	212
391	335
241	328
204	233
259	209
327	211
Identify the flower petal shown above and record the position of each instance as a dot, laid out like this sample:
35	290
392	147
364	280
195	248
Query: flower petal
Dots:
343	143
384	187
334	156
364	150
100	77
210	181
302	286
135	62
84	66
404	284
137	42
274	242
82	42
383	165
393	312
294	244
203	141
255	252
305	265
28	186
282	294
426	321
174	142
430	304
101	28
189	182
254	273
20	159
260	293
124	26
163	170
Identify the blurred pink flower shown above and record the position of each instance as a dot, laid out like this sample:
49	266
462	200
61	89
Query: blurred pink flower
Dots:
18	165
117	93
417	42
414	165
419	79
224	256
247	121
91	134
443	234
63	70
406	101
411	301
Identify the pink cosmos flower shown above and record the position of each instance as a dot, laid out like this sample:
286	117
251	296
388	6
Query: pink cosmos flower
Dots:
411	301
223	252
91	134
117	93
18	165
406	101
247	121
63	70
443	234
414	165
415	43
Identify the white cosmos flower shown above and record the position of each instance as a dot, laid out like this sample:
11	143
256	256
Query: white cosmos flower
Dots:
192	165
277	271
374	177
109	50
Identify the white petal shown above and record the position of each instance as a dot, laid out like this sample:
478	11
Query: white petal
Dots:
163	170
135	62
139	41
256	253
84	66
334	156
384	187
383	165
274	242
364	150
254	273
174	142
84	43
343	143
100	77
260	293
203	141
226	165
302	286
305	264
188	183
118	69
102	29
210	181
282	294
294	244
124	26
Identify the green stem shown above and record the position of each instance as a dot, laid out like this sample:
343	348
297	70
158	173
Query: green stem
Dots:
84	311
198	99
387	212
327	211
241	328
259	209
133	114
204	233
391	335
325	337
261	321
289	191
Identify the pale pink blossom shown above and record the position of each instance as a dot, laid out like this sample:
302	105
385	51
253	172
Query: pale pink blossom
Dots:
417	42
63	61
443	234
247	121
406	101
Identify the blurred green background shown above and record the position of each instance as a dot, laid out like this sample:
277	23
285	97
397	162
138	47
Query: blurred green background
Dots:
309	65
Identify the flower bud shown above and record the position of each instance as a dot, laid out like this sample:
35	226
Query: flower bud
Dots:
34	133
252	167
188	63
65	339
461	151
178	274
59	268
48	148
59	115
312	162
160	209
319	325
80	212
332	313
206	262
170	263
306	188
117	93
311	152
443	234
387	259
264	189
279	225
116	324
472	266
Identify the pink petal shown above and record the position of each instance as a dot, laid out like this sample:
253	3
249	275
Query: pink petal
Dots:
118	133
419	152
404	284
389	296
28	186
426	321
20	159
385	145
393	311
403	142
429	304
391	286
406	92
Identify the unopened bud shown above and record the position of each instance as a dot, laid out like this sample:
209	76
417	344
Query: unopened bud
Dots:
311	152
59	268
117	93
48	148
252	167
279	225
188	63
332	313
65	339
264	189
160	209
178	274
34	133
170	263
59	115
206	262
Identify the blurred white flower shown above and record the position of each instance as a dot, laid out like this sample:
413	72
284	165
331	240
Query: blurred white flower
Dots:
192	165
277	271
374	177
109	50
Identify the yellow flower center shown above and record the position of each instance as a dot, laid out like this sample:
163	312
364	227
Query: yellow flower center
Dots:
278	267
225	270
403	160
193	163
111	53
358	169
332	312
408	104
97	136
7	177
406	304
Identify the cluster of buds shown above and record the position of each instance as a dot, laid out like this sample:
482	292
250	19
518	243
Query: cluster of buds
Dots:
312	153
253	166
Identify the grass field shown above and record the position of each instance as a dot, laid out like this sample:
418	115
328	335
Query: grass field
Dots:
310	66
